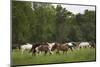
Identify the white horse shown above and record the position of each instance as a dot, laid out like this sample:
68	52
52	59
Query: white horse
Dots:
27	46
84	45
50	45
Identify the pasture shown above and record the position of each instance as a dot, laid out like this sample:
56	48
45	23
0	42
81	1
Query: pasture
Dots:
85	54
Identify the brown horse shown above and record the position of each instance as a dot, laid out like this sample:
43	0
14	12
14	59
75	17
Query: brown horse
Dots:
60	47
42	47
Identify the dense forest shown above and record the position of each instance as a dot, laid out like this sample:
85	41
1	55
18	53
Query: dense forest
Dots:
41	22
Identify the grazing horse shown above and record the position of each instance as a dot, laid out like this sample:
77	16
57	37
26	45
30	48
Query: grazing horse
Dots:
60	47
84	45
25	47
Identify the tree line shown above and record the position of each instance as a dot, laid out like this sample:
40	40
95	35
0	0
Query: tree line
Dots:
42	22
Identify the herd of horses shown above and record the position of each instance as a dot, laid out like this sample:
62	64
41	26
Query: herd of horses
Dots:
46	47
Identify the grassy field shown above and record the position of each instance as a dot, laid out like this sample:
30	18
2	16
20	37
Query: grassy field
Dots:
86	54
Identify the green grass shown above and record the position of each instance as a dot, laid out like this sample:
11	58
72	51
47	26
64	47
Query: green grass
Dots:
75	56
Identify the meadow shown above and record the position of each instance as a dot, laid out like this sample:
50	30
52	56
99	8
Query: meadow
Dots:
86	54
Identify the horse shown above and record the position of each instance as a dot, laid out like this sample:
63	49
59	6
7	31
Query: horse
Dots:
34	46
60	47
51	46
26	46
42	47
93	45
71	45
84	45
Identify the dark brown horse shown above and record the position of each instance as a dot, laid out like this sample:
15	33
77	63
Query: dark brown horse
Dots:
40	47
34	45
60	47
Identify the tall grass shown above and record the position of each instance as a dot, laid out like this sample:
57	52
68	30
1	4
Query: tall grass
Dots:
86	54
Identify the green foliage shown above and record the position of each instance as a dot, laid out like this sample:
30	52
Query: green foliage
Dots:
44	22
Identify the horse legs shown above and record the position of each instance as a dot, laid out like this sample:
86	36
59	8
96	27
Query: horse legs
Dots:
57	51
50	52
71	48
63	52
80	47
37	50
33	52
45	52
66	51
22	50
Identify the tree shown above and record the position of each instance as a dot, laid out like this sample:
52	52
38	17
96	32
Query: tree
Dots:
39	22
